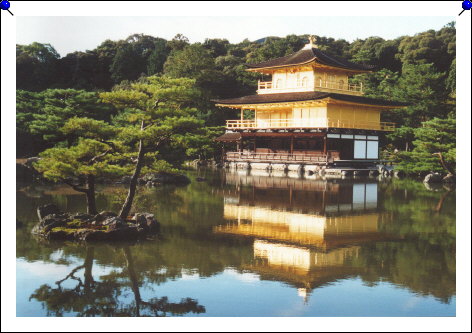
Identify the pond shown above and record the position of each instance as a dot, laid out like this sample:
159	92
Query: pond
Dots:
249	244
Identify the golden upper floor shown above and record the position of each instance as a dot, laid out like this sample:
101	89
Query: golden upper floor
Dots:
309	69
303	79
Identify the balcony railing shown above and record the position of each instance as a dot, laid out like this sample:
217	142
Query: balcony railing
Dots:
353	89
268	87
317	157
308	123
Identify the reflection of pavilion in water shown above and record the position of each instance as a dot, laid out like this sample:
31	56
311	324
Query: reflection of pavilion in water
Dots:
306	233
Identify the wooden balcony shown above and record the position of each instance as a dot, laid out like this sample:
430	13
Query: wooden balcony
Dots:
307	124
268	87
311	157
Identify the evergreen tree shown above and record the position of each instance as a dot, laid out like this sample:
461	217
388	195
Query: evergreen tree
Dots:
160	113
79	165
435	148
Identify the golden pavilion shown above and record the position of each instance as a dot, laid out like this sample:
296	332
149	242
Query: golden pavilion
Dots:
308	114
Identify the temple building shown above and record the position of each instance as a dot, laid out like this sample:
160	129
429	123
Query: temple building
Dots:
308	115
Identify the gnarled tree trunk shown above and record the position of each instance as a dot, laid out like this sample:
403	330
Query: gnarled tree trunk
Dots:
90	194
134	182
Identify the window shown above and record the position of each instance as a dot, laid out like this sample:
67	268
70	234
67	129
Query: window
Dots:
341	84
305	82
360	149
373	149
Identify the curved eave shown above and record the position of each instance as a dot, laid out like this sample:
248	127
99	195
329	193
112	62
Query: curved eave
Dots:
306	102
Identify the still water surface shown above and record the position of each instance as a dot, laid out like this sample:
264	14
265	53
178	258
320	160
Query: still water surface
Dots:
240	244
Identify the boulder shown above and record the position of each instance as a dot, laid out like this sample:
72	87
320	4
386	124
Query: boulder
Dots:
114	223
449	179
432	178
140	220
104	215
31	160
45	210
152	225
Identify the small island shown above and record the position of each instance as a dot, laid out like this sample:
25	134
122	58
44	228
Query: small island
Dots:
105	226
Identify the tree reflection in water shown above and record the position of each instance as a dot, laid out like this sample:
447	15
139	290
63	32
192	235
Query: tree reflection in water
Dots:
90	298
307	234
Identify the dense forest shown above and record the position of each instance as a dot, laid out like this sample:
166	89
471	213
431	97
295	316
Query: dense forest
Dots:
102	84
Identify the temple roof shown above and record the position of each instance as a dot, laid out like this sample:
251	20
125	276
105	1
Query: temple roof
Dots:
306	56
305	96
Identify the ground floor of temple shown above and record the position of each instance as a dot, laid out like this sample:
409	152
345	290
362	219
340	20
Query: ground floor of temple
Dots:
290	150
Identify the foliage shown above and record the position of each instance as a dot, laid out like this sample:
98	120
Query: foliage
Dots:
41	115
36	66
437	136
160	112
60	164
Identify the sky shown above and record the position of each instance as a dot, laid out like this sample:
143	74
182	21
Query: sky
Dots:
80	33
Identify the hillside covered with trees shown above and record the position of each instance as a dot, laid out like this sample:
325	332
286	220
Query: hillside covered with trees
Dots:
419	70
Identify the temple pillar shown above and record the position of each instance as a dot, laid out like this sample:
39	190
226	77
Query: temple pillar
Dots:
325	144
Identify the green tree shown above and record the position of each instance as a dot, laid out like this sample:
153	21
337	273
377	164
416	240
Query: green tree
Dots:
178	43
79	70
436	47
202	144
190	62
93	156
217	47
126	65
435	148
59	105
424	89
160	113
156	60
36	66
28	104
